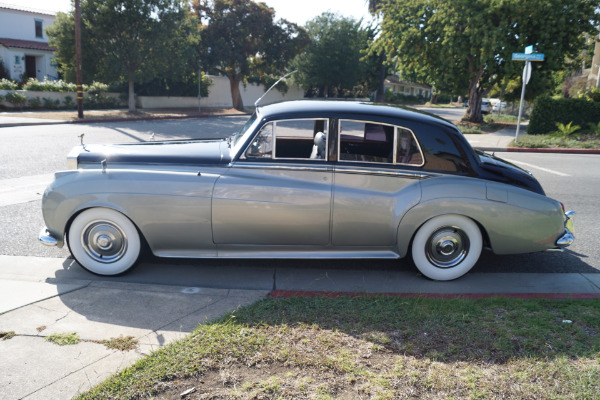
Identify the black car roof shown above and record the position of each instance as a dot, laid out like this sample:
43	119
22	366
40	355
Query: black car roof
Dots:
333	108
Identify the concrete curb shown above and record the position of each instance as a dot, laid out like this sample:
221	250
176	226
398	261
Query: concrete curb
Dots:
552	150
284	294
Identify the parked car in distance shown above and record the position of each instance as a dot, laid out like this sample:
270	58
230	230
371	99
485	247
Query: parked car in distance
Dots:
486	106
303	179
499	106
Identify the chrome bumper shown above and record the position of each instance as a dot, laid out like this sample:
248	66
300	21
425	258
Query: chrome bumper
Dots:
567	238
46	238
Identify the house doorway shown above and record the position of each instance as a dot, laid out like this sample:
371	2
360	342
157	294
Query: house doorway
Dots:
30	67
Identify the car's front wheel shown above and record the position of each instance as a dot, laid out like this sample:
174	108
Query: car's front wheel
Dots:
104	241
447	247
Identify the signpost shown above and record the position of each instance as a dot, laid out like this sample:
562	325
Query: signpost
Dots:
528	57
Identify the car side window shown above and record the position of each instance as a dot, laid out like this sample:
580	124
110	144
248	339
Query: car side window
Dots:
407	148
441	153
366	141
262	145
302	139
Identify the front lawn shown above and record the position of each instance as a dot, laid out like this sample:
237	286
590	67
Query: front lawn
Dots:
581	141
378	348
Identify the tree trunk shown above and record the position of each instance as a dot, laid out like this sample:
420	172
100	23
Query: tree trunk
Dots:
475	96
236	97
131	94
380	92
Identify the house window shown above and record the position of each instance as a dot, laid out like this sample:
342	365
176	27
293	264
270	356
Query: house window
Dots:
17	60
39	32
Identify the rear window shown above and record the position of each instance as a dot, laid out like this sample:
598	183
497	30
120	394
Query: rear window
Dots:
441	153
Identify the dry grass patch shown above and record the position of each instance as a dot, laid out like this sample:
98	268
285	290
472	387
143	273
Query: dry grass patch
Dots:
378	348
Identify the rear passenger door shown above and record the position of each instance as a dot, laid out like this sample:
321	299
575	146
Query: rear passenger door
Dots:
375	182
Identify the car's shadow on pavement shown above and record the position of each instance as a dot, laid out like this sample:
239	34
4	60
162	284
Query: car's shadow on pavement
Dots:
166	292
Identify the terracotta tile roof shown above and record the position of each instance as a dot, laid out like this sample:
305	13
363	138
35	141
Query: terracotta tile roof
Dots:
26	44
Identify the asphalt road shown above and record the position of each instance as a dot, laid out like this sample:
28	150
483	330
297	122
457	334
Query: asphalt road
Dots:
40	150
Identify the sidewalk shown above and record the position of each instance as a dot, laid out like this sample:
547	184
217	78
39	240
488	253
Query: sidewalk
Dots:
36	301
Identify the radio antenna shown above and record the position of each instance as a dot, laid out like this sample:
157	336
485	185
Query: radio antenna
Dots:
256	104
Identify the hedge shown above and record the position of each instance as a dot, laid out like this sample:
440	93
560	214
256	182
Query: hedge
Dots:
548	111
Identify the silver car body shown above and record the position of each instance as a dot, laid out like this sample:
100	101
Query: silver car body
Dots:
234	203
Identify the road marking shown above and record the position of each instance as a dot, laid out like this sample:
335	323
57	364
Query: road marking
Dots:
24	189
551	171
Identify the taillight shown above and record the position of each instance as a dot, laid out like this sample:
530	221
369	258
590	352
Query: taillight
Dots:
563	207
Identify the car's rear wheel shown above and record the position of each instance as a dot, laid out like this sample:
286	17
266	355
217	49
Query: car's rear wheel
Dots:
104	241
447	247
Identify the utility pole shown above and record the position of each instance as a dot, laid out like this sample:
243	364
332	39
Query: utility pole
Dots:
78	61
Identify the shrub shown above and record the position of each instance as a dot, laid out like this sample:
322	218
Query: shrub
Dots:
96	88
51	104
49	86
34	102
6	84
547	112
69	103
100	101
565	130
16	99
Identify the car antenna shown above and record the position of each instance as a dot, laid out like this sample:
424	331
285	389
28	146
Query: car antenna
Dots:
256	104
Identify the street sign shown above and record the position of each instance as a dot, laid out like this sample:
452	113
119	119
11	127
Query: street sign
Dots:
529	49
527	73
528	57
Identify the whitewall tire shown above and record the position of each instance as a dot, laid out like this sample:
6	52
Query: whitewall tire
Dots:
104	241
447	247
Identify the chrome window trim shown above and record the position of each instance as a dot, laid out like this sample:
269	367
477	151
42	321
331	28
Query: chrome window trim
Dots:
395	144
274	140
386	172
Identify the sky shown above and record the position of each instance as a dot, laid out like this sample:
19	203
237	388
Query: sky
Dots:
294	11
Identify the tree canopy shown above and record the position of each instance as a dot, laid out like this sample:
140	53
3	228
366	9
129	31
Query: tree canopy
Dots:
240	38
125	40
335	61
467	45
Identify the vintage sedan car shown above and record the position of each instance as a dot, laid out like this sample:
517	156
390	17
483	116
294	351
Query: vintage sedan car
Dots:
303	179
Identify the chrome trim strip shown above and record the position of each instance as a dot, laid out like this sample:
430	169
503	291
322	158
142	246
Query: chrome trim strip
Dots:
369	171
46	238
282	167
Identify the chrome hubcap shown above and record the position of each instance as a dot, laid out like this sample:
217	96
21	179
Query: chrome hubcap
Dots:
447	247
103	241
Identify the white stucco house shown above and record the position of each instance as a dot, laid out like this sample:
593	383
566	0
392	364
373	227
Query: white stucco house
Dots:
24	45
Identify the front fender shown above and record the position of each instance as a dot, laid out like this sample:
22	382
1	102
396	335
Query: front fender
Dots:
514	220
171	209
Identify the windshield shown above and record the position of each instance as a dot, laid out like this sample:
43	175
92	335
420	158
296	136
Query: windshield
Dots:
235	138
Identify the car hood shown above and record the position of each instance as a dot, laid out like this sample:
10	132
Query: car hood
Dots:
190	152
497	169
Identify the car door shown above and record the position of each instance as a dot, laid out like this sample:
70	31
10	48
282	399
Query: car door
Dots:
375	182
279	191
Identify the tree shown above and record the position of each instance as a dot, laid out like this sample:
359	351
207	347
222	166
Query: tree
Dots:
467	45
240	38
334	62
124	40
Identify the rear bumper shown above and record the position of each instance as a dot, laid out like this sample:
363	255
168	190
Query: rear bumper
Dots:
567	238
46	238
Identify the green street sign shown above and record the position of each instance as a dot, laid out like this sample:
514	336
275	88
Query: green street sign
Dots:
528	57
